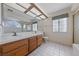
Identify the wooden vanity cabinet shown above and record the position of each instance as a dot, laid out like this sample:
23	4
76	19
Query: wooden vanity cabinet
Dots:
32	43
39	40
21	47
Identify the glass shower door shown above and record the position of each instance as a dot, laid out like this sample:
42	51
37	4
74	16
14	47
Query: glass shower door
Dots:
76	28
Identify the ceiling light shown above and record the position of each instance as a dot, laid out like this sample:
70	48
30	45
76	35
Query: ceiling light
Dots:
34	10
42	16
38	18
31	14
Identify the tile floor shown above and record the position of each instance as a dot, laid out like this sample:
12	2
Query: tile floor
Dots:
52	49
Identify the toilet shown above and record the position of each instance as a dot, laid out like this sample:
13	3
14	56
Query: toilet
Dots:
45	39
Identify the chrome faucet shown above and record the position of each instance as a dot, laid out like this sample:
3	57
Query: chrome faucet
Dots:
35	31
14	34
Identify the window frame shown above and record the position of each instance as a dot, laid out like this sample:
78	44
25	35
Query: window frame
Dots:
33	24
54	27
66	29
0	28
59	25
28	26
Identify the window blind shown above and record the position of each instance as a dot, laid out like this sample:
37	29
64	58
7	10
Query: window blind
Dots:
60	16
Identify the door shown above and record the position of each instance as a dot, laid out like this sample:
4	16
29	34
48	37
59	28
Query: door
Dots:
76	28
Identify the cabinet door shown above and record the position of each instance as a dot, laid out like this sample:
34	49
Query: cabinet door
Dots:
39	40
32	44
0	51
22	51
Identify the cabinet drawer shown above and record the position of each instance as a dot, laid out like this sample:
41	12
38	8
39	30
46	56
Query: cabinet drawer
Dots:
39	37
22	51
32	40
12	53
13	45
18	52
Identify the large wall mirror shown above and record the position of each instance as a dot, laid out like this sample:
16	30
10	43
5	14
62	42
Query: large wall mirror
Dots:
16	21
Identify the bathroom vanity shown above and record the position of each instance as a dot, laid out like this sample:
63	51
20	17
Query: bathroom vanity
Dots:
20	46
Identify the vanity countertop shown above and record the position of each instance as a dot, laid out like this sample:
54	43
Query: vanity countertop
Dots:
9	38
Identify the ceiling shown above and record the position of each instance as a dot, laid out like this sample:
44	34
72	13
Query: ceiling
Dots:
53	7
39	11
30	9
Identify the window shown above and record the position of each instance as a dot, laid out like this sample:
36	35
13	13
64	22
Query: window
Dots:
60	25
63	25
34	26
28	27
0	29
55	25
24	26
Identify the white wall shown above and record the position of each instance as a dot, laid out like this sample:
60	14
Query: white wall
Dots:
47	27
